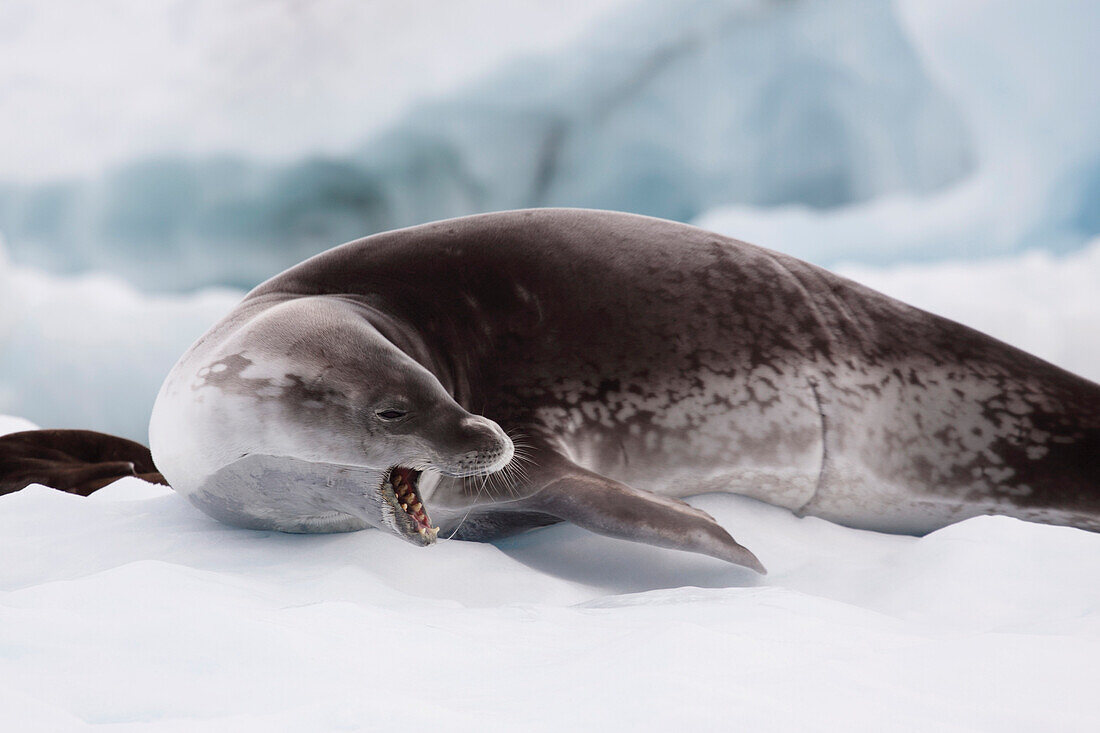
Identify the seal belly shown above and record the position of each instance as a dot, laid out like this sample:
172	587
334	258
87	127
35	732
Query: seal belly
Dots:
282	494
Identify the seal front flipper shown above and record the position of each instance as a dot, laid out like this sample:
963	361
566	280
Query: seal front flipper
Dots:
610	508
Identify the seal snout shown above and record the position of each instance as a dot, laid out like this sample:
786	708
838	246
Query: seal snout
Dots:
463	445
492	448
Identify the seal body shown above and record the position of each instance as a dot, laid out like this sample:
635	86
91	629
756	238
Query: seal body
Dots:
644	360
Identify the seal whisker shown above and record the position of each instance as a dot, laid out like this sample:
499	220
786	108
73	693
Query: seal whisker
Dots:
515	471
470	509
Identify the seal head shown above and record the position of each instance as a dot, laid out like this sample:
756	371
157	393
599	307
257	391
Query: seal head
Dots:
306	417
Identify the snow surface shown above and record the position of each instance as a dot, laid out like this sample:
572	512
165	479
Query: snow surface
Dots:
130	610
13	424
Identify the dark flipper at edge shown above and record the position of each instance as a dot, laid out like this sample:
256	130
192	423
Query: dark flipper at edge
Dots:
75	461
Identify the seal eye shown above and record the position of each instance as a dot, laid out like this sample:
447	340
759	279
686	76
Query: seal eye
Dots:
391	414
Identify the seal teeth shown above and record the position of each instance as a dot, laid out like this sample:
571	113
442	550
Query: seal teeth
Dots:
403	482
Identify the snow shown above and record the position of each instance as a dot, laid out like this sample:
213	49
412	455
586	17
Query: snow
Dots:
13	424
130	610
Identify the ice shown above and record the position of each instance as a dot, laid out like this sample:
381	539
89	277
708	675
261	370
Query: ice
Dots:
852	130
1019	72
85	87
130	610
666	107
688	103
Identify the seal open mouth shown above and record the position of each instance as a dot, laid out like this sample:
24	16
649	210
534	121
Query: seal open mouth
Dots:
402	482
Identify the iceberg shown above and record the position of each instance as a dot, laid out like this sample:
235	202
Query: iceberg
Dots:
667	108
1018	73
